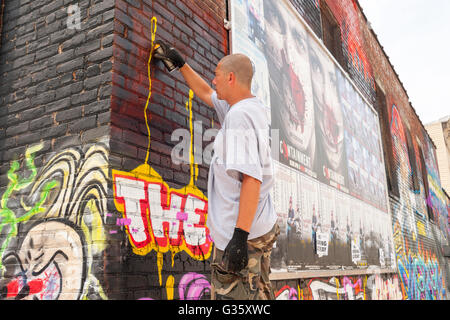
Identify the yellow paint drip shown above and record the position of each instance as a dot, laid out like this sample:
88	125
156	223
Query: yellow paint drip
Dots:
154	23
159	263
194	167
170	287
337	287
364	287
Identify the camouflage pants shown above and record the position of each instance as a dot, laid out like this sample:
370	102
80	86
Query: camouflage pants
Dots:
251	283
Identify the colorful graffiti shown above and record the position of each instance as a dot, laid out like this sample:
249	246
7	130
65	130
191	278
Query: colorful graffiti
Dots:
421	277
161	218
8	217
373	287
192	286
384	289
287	293
436	199
62	234
348	289
419	269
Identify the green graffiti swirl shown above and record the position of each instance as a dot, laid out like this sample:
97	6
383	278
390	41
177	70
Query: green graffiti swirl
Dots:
7	216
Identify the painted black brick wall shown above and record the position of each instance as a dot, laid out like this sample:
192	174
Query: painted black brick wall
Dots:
56	81
195	28
310	11
55	92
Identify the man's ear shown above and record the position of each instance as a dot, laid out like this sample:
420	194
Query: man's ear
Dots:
231	77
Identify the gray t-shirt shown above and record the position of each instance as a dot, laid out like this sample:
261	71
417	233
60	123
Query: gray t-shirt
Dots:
241	146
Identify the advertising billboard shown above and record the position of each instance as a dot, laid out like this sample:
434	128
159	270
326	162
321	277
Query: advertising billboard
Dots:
330	189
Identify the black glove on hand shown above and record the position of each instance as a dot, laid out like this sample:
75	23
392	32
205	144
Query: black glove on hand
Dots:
235	256
170	54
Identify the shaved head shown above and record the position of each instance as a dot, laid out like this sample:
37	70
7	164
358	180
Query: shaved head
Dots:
240	65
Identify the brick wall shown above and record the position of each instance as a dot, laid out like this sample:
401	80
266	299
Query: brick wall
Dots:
420	226
439	133
54	128
153	267
2	7
310	11
56	79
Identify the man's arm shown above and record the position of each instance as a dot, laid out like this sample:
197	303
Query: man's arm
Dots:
197	84
248	202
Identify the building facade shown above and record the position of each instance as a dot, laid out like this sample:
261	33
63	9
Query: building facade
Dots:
439	132
105	154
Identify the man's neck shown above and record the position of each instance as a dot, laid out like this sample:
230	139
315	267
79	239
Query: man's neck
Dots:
232	101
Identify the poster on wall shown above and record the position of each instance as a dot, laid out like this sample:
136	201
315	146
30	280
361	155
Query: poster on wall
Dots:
286	197
340	233
266	28
309	201
330	180
325	213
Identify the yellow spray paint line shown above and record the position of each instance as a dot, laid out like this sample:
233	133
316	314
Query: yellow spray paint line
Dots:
337	287
193	167
154	25
170	287
364	287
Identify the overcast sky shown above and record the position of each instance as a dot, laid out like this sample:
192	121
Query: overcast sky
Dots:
415	35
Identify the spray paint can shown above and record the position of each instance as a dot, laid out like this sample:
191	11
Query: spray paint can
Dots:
169	65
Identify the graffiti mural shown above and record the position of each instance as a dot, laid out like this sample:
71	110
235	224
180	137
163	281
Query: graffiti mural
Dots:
373	287
436	199
421	276
287	293
347	289
56	231
161	218
8	217
192	286
384	288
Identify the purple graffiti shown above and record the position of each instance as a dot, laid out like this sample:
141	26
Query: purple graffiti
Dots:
193	286
351	287
123	222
